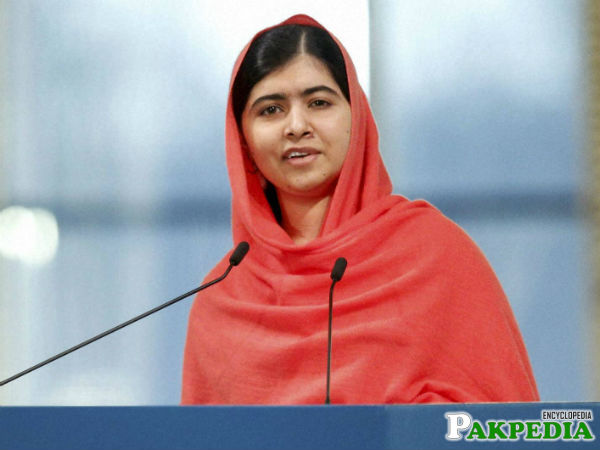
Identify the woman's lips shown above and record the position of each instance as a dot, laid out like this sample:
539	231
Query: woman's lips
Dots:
300	155
302	160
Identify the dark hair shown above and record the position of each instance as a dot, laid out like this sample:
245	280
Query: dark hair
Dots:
274	48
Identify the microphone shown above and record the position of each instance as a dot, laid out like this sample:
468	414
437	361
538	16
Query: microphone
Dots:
239	253
338	269
235	258
336	275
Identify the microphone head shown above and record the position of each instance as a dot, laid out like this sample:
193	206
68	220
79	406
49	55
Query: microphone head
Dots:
338	269
239	253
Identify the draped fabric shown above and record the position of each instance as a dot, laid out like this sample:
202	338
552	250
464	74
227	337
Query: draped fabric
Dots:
419	315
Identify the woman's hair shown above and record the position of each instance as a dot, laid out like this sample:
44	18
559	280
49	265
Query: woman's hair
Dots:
277	46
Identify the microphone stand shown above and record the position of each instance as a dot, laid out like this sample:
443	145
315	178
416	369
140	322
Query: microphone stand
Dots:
336	275
236	257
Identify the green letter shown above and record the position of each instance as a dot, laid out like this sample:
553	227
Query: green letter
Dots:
477	430
567	428
547	432
533	427
495	432
582	428
515	427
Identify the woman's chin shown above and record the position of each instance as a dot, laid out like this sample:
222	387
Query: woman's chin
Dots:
308	190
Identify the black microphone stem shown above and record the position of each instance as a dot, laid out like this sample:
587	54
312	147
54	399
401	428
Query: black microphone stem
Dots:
329	340
336	275
237	256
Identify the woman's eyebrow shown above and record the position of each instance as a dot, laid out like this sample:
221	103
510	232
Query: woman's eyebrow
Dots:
305	92
314	89
267	97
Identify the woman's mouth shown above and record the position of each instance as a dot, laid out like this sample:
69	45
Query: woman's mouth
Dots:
300	156
297	155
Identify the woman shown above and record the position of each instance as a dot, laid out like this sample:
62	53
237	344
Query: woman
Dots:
419	315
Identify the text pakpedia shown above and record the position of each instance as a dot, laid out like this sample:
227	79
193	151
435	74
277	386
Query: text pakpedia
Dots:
461	425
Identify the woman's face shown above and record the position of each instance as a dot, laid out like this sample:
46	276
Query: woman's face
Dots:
296	124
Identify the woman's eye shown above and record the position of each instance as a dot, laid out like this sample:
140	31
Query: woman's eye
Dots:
272	109
320	103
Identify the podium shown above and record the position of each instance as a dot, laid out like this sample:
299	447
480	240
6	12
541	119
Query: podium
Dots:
274	427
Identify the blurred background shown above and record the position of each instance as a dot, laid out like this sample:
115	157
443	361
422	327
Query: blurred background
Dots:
114	194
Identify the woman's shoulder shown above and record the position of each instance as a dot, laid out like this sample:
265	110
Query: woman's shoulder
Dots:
421	218
420	228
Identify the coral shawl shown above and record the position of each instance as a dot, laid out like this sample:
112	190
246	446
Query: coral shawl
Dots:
418	317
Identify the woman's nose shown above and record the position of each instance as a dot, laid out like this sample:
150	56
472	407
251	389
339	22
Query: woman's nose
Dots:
298	123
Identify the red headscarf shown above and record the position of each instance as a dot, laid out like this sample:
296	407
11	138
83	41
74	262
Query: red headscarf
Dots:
419	315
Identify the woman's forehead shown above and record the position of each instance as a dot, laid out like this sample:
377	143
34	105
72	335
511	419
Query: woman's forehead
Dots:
294	78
